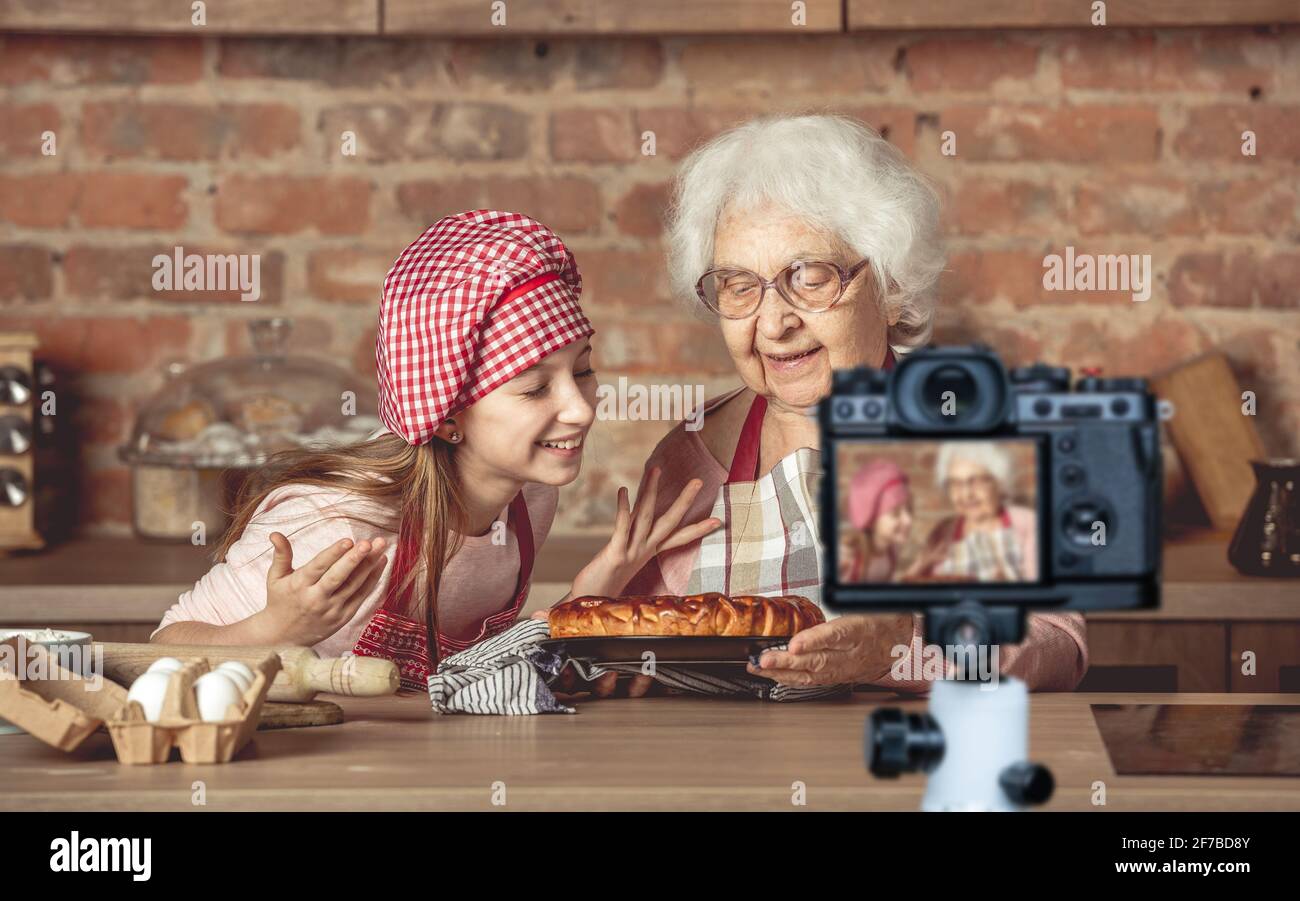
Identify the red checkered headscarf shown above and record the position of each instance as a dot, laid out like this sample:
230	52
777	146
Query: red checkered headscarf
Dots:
877	488
477	299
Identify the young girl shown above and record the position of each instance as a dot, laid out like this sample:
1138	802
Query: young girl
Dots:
429	528
880	511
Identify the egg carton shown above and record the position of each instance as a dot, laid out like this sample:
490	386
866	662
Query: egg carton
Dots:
139	741
61	712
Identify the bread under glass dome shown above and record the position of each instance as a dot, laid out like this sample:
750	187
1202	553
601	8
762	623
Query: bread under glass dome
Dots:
238	410
233	413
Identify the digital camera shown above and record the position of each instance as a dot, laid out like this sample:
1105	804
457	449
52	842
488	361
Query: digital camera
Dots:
948	482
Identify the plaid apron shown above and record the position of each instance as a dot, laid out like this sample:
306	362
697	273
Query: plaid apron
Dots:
992	556
403	640
769	543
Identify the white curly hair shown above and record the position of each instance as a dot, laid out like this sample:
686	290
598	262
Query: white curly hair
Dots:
841	177
992	457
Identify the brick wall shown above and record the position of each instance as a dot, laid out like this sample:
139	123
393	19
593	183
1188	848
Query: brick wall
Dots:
1112	141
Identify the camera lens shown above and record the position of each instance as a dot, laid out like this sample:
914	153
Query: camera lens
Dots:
949	391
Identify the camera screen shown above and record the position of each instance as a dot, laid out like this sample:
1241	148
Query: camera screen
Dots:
937	511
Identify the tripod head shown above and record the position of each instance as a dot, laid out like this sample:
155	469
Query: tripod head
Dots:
968	628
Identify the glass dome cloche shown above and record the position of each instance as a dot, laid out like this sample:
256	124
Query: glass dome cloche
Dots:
233	413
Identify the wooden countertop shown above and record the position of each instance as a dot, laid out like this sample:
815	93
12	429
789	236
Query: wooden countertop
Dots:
133	581
662	753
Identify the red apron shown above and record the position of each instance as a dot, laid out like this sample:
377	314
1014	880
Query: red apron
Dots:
744	462
403	640
768	543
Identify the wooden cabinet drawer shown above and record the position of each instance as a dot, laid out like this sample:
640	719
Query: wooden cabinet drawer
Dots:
1137	655
1277	656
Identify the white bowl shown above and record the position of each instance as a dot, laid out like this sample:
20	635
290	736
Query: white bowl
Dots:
65	638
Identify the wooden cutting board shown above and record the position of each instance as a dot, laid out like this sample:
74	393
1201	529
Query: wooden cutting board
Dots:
1215	440
277	715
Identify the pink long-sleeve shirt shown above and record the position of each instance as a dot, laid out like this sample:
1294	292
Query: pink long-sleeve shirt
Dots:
1053	656
477	582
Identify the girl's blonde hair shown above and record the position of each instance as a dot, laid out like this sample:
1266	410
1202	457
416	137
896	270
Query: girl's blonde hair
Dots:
416	483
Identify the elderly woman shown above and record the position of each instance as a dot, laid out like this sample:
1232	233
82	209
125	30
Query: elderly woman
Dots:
815	245
988	539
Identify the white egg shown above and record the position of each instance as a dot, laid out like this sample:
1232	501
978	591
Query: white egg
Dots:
238	671
214	692
148	691
165	665
235	676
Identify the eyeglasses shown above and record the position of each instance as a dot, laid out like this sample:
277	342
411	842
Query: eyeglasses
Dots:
980	481
813	286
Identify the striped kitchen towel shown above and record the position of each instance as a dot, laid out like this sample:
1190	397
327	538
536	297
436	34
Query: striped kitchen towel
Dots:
510	674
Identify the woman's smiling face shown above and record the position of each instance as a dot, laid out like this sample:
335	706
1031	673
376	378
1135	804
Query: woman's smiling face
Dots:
973	491
780	351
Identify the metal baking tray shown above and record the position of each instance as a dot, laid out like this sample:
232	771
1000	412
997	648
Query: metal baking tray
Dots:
666	648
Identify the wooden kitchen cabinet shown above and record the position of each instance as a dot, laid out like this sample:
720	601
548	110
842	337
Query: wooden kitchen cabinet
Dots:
862	15
169	17
1277	656
600	17
1156	656
1193	642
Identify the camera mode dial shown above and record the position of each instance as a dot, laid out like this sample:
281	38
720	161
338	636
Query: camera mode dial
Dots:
1041	377
1100	385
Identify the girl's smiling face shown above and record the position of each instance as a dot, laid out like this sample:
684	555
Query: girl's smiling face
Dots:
534	427
893	528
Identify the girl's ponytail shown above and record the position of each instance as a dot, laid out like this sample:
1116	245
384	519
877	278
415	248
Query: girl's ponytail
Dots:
417	484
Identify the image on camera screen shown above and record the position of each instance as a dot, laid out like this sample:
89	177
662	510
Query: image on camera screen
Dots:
937	511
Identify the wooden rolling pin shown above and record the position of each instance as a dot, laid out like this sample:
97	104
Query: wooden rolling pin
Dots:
302	671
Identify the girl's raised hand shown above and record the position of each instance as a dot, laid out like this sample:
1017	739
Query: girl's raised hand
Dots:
926	562
309	604
639	536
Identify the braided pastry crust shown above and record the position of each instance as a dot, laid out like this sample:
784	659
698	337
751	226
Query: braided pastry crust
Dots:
709	614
